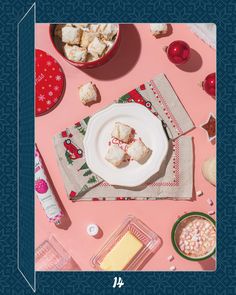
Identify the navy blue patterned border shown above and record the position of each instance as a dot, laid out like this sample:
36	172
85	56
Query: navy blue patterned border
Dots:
223	13
25	196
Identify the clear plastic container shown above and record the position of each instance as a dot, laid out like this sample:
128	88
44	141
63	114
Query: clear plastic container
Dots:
150	240
51	256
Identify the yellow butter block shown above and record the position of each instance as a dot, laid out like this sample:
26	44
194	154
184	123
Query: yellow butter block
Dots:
122	253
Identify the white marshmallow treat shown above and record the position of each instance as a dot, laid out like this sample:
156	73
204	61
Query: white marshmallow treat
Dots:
115	155
75	53
71	35
158	28
87	93
87	38
137	150
96	47
94	27
109	31
122	132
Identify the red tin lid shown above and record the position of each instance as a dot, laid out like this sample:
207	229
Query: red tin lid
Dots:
49	83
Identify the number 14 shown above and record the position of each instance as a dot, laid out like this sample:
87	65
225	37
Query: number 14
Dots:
118	282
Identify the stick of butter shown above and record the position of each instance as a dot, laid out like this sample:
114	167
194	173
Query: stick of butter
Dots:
122	253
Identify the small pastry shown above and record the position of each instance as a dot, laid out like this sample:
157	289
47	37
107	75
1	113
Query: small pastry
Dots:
122	132
158	29
115	155
97	39
88	93
75	53
87	38
138	150
209	170
102	27
109	31
94	28
96	47
71	35
81	26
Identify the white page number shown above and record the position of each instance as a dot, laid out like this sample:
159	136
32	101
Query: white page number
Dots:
118	282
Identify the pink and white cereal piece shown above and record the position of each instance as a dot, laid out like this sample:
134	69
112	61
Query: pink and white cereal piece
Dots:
170	258
199	193
211	212
209	201
173	268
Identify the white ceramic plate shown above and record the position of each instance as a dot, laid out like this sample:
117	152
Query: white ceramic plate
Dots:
98	135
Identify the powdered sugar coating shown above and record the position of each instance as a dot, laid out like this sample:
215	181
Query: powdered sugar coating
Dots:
94	39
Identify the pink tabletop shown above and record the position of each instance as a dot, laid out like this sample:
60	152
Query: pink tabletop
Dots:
140	58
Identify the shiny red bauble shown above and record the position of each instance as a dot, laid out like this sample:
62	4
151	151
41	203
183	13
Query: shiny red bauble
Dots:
178	52
209	84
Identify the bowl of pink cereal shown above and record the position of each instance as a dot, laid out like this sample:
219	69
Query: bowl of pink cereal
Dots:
194	236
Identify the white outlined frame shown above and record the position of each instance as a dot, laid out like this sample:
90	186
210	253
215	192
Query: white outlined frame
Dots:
34	285
18	119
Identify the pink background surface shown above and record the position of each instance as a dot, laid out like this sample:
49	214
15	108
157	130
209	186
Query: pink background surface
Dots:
140	58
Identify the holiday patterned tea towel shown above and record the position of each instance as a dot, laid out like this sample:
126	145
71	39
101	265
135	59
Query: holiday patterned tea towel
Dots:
175	178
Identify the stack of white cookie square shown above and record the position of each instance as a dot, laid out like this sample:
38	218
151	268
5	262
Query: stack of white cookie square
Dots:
135	148
86	42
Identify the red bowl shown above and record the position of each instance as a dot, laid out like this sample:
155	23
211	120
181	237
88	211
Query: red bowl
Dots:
85	65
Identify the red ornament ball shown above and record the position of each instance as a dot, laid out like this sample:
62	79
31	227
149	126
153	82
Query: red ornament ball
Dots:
209	84
178	52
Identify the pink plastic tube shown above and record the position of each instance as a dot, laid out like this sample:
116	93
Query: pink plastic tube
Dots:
44	191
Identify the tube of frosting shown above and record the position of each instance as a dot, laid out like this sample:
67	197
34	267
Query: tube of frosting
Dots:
44	191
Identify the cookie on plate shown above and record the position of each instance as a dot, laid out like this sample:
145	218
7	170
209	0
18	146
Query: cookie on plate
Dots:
115	155
138	151
122	132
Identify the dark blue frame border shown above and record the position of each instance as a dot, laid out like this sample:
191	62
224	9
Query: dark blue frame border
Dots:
222	281
25	152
